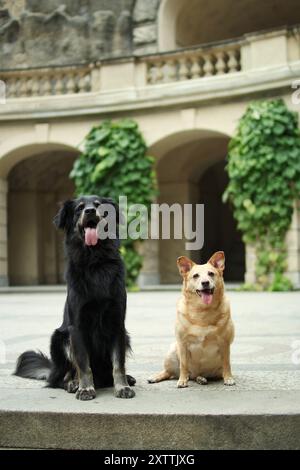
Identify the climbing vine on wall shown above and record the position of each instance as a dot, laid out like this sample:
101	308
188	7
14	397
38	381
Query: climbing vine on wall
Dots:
264	182
114	163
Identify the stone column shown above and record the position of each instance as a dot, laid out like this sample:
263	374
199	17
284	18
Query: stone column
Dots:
95	78
23	257
250	264
293	248
258	46
160	255
170	250
293	253
3	233
149	275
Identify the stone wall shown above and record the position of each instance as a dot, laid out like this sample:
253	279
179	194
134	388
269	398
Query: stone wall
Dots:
145	26
54	32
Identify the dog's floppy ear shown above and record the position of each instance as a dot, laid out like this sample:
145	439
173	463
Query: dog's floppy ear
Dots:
63	218
184	264
119	216
218	260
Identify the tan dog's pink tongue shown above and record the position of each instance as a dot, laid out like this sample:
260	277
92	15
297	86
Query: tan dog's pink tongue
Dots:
207	298
90	236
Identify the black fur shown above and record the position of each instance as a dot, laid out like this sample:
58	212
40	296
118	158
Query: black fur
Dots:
33	365
93	333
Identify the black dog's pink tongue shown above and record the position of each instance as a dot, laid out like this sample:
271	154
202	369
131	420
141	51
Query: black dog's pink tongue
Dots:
90	236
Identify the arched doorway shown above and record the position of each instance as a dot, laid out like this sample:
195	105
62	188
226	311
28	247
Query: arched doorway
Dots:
35	187
185	24
191	169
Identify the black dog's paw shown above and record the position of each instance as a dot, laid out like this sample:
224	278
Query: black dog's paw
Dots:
86	393
71	386
131	380
124	392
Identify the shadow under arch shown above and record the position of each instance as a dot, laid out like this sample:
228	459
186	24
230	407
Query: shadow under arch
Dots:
191	170
38	180
184	23
181	164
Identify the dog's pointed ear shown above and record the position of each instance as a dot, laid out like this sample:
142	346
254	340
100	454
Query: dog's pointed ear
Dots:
217	260
119	215
63	218
184	264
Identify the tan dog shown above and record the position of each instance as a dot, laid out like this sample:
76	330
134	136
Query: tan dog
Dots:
204	329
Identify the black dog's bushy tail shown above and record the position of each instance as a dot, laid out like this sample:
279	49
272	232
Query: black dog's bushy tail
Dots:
33	365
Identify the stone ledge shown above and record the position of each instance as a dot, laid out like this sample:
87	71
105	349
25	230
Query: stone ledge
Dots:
239	420
208	89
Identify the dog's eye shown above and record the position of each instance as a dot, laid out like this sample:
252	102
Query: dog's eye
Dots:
195	276
210	273
80	206
96	203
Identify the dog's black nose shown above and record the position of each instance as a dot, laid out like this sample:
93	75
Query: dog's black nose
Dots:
205	284
89	210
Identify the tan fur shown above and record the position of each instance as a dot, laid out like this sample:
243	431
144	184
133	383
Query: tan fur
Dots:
204	332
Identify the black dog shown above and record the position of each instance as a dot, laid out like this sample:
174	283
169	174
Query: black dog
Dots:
89	348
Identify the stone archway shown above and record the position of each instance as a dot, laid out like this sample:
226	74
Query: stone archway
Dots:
16	149
188	162
185	24
35	188
33	180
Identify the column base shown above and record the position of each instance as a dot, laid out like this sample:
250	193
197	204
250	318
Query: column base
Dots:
148	279
3	281
294	277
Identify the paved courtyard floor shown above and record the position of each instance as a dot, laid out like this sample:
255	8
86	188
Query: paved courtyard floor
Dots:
264	361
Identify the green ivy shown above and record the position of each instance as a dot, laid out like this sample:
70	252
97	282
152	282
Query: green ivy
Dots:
114	163
264	181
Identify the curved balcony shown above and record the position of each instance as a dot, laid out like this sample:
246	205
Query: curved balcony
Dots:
253	63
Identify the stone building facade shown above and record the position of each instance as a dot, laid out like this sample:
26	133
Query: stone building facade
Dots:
74	31
185	70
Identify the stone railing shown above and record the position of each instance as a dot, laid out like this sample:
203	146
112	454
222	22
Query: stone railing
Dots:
252	58
48	81
194	63
188	64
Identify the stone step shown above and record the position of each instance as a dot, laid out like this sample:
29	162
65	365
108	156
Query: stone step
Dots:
178	419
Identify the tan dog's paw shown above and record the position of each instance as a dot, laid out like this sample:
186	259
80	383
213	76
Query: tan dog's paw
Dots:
229	381
164	375
151	380
201	380
182	383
